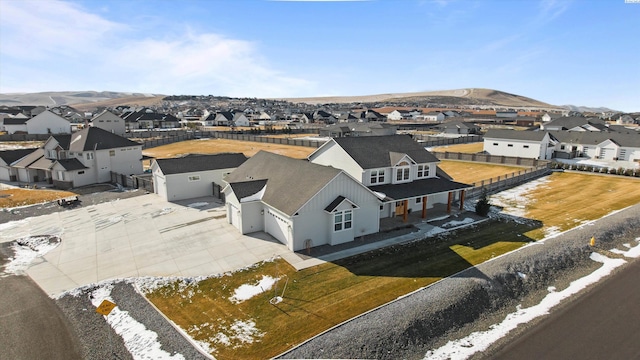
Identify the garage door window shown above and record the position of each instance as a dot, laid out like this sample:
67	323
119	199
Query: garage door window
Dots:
342	220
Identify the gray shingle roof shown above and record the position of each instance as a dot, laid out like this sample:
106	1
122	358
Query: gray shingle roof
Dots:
290	182
371	152
71	164
418	188
9	156
515	135
247	188
93	138
594	138
198	162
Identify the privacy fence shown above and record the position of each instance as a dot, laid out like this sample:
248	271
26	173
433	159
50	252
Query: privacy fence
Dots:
507	181
133	181
149	140
494	159
430	141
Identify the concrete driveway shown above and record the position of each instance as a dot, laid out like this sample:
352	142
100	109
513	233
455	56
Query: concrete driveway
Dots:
140	236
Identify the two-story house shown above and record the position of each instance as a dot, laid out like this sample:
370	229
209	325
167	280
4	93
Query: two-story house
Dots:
402	172
82	158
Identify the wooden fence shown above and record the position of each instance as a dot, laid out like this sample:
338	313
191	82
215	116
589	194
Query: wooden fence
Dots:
172	138
494	159
507	181
133	181
430	141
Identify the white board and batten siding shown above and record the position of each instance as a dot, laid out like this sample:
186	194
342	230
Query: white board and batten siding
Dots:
312	223
331	153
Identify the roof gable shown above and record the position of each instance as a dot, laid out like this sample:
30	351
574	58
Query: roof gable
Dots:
94	138
291	183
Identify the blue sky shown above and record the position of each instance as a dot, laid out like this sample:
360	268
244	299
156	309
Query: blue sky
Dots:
562	52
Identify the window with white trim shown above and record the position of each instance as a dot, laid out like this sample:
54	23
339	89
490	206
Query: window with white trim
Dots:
342	220
89	156
194	178
423	171
377	176
403	171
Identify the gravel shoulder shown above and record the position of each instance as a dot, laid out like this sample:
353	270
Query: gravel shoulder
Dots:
474	299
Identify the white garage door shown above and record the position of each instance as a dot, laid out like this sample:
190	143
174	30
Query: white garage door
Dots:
607	154
276	226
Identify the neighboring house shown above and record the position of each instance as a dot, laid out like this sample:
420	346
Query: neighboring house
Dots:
321	116
550	116
15	125
82	158
193	175
224	118
525	144
7	157
299	203
239	119
573	123
459	127
434	116
110	122
507	114
48	123
598	145
157	121
625	120
210	120
396	115
347	117
402	172
358	129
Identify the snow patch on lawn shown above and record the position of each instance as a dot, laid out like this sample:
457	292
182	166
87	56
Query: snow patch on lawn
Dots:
481	340
247	291
514	201
455	223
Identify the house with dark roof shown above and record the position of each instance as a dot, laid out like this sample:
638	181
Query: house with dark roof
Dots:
110	122
610	146
525	144
299	203
194	175
44	123
574	123
83	158
459	127
358	129
403	173
8	157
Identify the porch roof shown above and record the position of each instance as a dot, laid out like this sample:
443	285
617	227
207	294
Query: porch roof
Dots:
418	188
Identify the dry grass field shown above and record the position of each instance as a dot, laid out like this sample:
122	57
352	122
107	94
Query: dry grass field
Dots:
470	148
570	199
11	198
212	146
470	172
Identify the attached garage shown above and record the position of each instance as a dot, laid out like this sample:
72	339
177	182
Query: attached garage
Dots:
276	226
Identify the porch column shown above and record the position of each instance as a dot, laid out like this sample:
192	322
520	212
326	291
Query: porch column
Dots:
405	215
424	207
449	202
462	199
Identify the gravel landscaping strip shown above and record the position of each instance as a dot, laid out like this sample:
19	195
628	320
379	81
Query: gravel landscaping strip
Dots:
473	299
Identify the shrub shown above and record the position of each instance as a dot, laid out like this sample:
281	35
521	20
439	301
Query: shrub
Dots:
483	206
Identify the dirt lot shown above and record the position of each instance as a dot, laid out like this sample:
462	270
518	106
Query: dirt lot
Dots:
470	148
10	198
212	146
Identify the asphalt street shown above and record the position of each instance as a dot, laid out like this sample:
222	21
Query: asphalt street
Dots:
32	325
603	323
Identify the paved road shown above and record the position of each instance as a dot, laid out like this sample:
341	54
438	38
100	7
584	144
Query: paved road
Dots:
31	324
604	323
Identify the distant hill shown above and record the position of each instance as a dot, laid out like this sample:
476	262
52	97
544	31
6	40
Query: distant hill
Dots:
471	96
87	100
75	98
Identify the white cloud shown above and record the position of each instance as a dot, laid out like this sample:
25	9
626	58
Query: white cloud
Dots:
63	44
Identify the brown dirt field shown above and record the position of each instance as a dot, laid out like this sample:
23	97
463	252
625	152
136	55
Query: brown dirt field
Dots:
470	172
20	197
470	148
213	146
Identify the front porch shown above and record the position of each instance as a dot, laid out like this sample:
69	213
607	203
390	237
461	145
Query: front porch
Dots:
436	213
